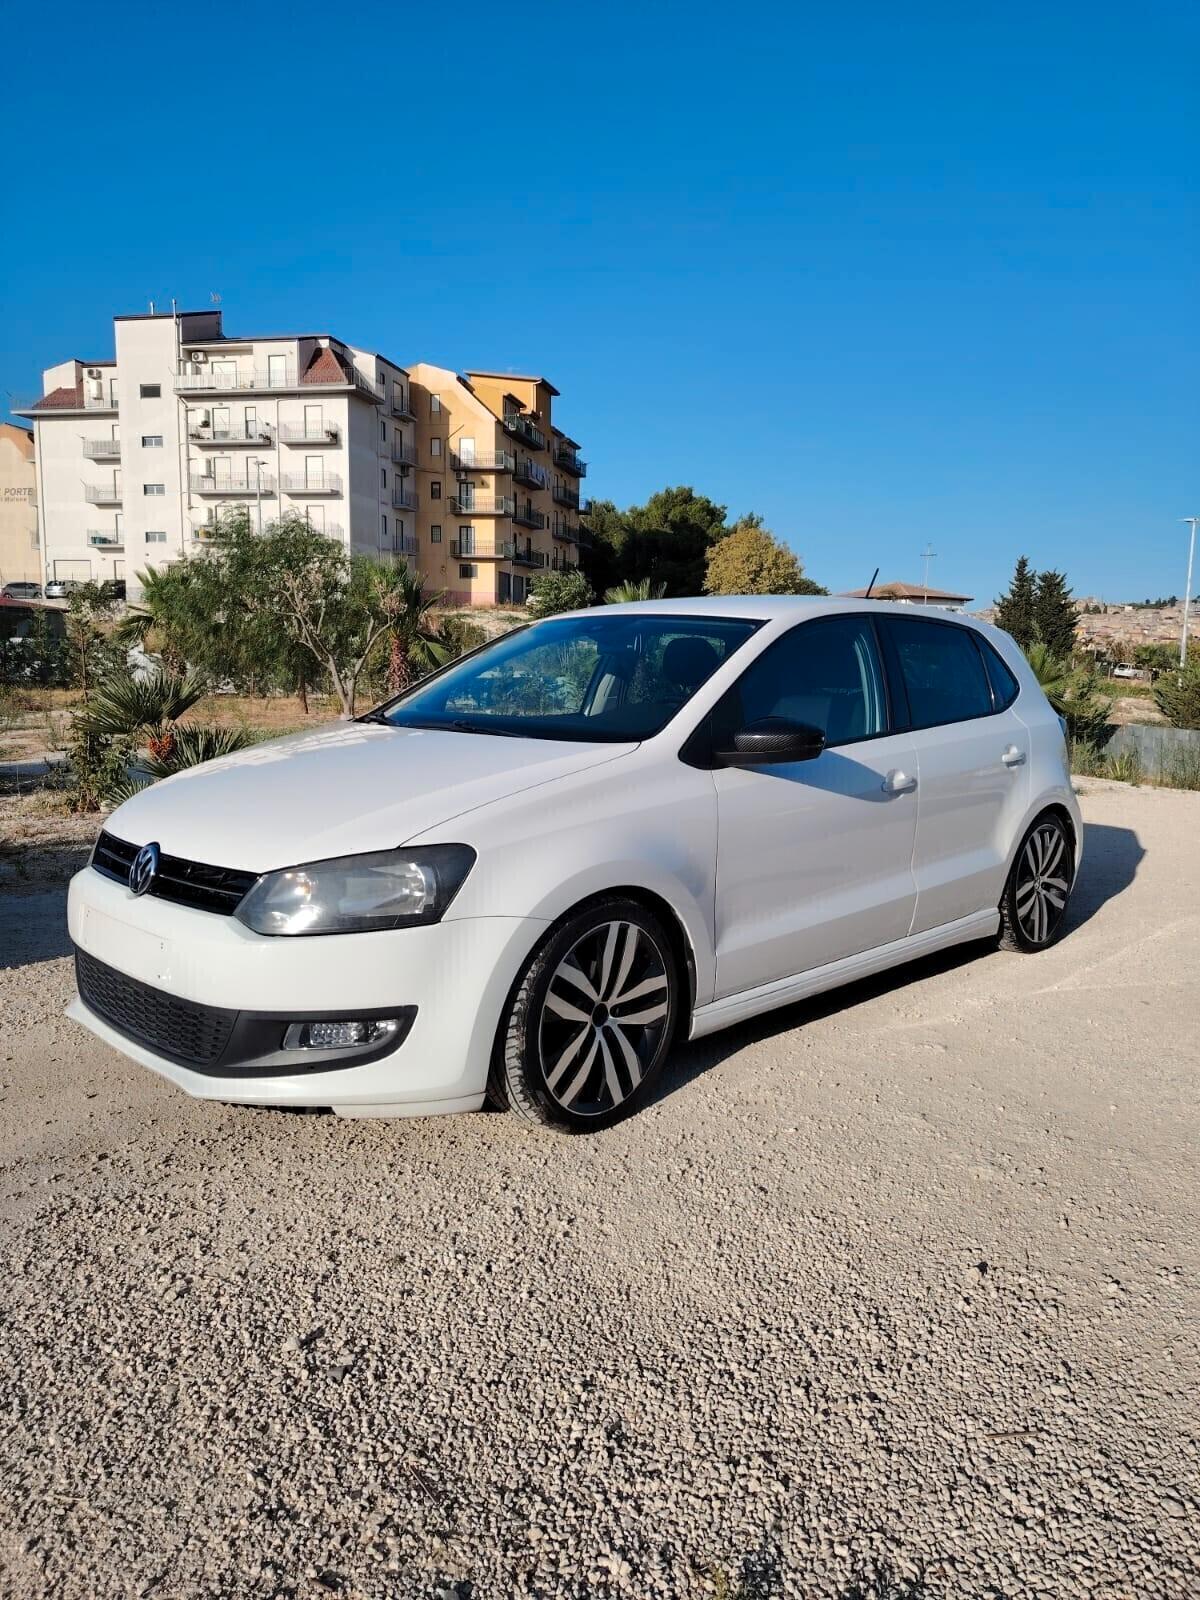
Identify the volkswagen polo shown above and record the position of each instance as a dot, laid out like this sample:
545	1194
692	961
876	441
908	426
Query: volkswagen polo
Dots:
528	875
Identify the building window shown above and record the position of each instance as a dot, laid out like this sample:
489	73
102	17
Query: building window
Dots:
154	488
466	540
435	405
152	441
468	570
435	490
435	446
505	589
383	527
150	391
156	538
383	430
383	477
435	533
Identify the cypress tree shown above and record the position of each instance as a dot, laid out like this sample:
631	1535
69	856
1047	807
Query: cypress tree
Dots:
1015	611
1054	614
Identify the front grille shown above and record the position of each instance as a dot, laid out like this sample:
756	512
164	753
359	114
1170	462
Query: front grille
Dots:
186	883
181	1030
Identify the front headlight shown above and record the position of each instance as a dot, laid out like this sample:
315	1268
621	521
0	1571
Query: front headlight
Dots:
359	894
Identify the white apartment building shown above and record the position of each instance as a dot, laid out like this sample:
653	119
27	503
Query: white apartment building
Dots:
138	457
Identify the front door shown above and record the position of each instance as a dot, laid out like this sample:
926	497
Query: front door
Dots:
972	764
814	858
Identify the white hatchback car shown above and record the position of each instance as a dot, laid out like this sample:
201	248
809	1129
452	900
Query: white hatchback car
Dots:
526	876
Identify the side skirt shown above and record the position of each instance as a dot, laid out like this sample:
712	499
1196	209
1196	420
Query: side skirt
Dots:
784	991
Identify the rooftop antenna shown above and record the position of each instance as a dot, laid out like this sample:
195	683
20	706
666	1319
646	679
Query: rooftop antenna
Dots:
871	585
214	297
927	555
152	308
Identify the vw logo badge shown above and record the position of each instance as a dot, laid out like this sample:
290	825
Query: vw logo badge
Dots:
144	869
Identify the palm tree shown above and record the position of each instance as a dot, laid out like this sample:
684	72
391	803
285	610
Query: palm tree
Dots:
643	589
1071	694
415	647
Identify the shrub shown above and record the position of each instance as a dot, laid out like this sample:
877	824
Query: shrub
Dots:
1177	695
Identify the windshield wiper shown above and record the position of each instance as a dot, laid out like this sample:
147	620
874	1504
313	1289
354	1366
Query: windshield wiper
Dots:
375	716
456	726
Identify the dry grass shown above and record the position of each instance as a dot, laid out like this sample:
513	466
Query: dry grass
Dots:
277	714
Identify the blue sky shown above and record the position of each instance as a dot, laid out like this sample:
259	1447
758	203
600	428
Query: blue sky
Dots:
885	274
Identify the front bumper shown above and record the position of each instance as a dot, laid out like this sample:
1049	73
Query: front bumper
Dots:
456	974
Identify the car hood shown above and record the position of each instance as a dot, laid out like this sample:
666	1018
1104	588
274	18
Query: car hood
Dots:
339	791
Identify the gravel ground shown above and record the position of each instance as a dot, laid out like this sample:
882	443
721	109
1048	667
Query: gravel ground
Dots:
892	1295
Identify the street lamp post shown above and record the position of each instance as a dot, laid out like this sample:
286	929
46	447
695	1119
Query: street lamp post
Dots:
1187	593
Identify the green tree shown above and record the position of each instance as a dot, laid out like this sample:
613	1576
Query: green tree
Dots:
1054	614
414	645
605	560
1177	694
1072	694
627	592
750	560
669	537
555	592
91	649
1015	610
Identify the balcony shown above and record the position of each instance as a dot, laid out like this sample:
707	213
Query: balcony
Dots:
475	505
566	497
404	455
196	378
569	461
527	517
401	405
102	494
404	499
406	545
105	539
199	434
223	483
525	428
482	461
528	472
565	529
301	433
304	483
496	550
102	449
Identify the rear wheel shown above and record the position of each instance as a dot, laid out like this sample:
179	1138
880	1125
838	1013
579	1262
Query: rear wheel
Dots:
589	1024
1034	904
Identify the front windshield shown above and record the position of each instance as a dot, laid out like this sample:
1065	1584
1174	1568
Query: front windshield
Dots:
610	679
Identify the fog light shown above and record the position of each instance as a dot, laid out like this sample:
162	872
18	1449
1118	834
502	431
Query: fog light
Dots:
339	1035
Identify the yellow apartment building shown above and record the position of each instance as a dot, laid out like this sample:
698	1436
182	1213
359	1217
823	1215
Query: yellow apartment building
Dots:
498	485
20	556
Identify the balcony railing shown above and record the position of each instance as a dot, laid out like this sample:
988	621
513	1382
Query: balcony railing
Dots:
230	436
99	539
529	472
404	499
102	494
569	461
497	550
195	378
406	545
302	483
475	505
528	517
402	405
482	461
525	428
222	483
301	433
565	529
566	497
102	449
404	455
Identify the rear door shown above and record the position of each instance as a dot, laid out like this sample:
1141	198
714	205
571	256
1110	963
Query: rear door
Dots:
814	858
972	755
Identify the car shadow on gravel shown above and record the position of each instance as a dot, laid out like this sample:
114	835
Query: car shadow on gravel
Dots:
33	924
1111	860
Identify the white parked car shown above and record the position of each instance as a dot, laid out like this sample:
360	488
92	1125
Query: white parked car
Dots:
528	875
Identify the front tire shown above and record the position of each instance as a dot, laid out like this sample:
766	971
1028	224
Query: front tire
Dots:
1033	907
590	1022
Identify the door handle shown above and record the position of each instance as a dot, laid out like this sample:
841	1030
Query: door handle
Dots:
1013	757
898	782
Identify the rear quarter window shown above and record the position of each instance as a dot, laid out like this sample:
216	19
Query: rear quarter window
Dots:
1005	687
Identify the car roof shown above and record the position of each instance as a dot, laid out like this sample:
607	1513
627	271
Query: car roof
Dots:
772	607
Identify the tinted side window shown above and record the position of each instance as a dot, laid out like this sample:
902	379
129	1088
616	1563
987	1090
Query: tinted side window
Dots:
825	673
1005	687
942	669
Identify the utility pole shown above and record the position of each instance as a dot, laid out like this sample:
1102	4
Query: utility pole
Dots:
1187	593
927	555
